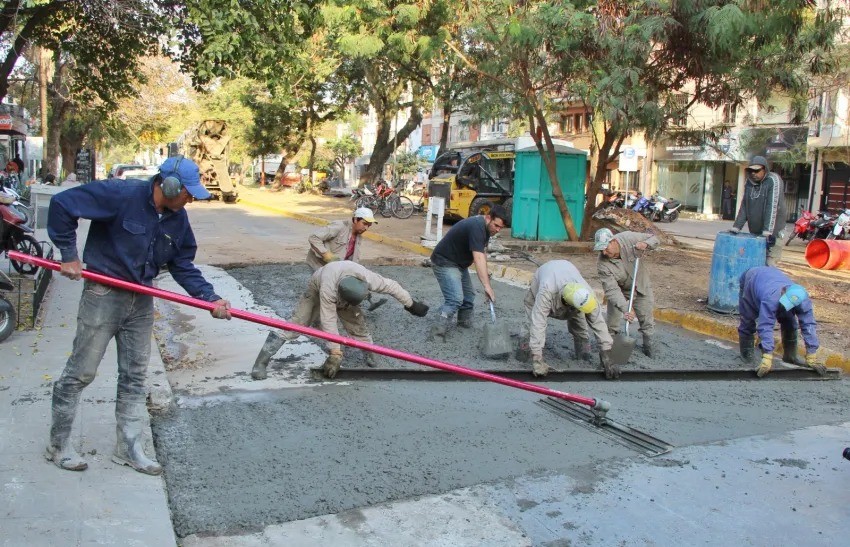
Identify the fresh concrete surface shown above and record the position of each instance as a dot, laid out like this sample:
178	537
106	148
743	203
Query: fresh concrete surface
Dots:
783	489
308	450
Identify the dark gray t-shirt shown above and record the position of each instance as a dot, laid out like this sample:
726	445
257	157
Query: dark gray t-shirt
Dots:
457	246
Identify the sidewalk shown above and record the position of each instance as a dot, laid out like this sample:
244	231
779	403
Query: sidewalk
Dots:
41	504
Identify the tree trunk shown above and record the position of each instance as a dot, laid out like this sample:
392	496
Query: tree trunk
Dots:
541	135
384	145
444	128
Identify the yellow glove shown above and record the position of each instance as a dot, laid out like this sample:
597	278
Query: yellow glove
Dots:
328	256
766	364
812	362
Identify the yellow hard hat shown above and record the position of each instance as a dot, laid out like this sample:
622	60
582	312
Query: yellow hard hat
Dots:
579	297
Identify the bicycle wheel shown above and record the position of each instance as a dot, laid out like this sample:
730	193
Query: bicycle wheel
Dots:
385	207
403	207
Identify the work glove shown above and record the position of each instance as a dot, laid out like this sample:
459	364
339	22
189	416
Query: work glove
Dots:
734	230
766	364
539	368
612	371
331	365
419	309
812	363
523	352
328	257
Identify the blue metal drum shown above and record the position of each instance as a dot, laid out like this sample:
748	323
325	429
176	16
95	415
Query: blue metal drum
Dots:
733	255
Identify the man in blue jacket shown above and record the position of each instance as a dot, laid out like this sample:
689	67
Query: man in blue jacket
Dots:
768	296
137	228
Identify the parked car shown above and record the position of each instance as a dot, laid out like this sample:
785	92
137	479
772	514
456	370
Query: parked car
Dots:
119	168
143	173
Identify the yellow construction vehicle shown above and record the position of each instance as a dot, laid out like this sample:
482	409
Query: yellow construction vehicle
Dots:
473	177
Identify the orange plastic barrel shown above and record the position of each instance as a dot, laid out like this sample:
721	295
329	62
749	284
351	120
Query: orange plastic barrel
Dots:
828	254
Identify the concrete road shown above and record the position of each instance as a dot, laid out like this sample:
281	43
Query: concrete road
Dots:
472	464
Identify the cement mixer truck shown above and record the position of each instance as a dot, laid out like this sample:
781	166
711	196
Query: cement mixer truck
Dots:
208	144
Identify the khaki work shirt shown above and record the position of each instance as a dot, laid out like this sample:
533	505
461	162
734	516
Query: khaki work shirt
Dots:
546	286
325	282
615	274
332	238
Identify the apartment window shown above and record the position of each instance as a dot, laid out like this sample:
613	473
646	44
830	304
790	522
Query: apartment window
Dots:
730	113
566	125
679	103
588	121
577	122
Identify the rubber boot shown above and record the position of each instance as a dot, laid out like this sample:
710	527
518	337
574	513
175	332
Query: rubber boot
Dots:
789	348
130	412
650	348
59	449
746	343
582	347
464	318
439	328
539	368
612	371
273	342
371	359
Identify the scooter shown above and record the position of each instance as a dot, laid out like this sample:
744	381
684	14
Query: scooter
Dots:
7	311
812	226
841	230
16	235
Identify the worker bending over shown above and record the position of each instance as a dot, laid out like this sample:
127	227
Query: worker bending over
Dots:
559	291
768	296
616	266
335	292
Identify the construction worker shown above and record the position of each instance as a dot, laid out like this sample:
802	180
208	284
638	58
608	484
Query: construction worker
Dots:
768	296
559	291
763	207
465	244
616	266
339	240
335	292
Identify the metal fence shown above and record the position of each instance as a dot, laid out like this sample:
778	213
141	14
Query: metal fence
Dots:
29	290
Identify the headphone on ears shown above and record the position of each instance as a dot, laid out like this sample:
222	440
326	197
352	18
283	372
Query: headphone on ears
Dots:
171	186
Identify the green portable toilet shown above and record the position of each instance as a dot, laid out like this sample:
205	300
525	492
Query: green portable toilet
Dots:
535	214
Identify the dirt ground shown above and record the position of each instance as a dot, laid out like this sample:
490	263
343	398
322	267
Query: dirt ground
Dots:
680	274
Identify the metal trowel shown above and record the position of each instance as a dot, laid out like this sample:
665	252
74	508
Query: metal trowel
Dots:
496	342
376	304
624	345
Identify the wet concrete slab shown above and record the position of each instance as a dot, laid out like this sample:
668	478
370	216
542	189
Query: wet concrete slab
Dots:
238	460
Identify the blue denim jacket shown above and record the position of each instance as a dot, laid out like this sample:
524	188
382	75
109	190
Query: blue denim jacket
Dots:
761	288
127	238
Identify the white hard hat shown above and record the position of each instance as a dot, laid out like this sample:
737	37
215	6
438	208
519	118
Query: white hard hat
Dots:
366	214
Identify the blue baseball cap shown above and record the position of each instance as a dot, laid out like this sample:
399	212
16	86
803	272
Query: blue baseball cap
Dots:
187	172
794	295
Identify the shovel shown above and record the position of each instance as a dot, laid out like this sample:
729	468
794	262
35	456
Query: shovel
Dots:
496	343
625	344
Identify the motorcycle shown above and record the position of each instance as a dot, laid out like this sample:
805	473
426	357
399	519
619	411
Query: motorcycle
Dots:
642	206
16	235
8	319
18	204
661	209
812	226
841	229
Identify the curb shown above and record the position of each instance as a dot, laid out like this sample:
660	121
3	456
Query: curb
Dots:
694	322
160	395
